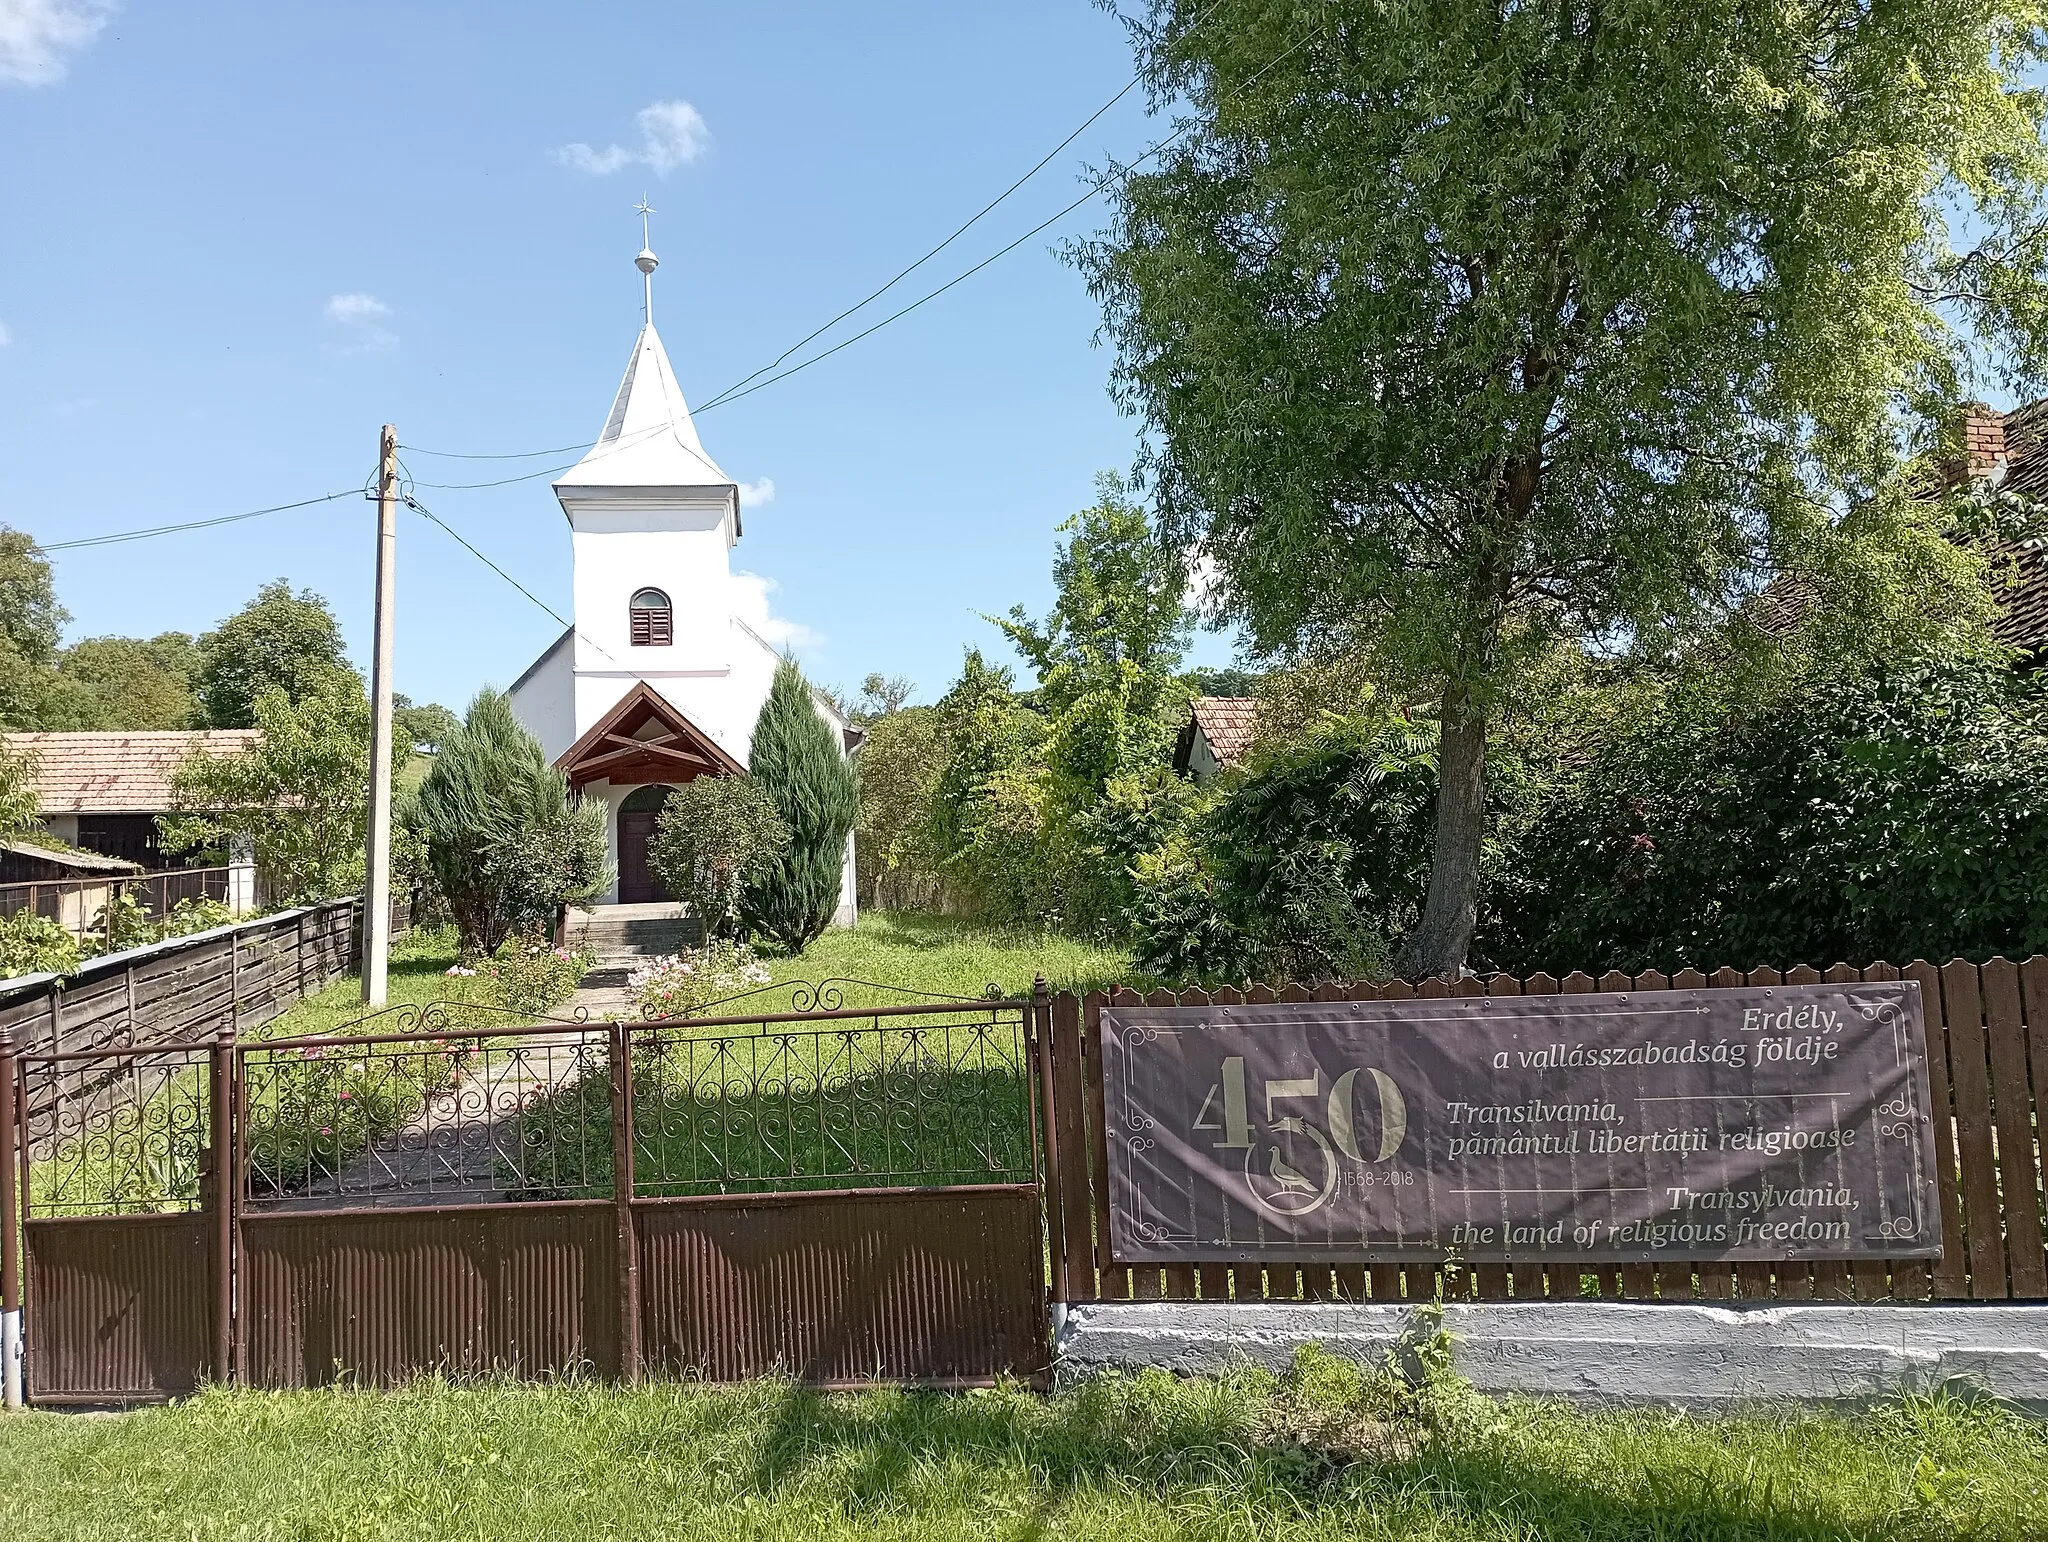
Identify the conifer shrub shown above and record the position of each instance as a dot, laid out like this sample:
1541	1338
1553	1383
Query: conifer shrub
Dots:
798	761
506	842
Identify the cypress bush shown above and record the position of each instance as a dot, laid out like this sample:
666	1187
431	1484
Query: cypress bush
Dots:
504	840
798	761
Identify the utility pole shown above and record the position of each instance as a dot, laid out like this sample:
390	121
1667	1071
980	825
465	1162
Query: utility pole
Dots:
377	863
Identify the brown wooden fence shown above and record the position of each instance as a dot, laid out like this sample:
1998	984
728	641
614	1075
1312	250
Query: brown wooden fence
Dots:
1987	1031
235	979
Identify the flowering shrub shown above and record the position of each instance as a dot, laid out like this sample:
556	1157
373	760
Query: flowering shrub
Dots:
529	975
686	982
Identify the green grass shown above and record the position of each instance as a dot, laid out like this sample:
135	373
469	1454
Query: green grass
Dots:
1312	1459
418	974
948	956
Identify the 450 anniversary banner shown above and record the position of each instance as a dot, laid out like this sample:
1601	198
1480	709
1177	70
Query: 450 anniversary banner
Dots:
1779	1122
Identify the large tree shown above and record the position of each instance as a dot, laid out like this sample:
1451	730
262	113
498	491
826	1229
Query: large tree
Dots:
278	641
1463	328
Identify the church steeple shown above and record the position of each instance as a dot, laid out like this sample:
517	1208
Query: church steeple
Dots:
648	440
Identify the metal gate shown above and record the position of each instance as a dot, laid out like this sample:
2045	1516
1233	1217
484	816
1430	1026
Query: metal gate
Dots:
836	1194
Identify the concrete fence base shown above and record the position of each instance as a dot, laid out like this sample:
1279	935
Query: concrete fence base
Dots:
1709	1358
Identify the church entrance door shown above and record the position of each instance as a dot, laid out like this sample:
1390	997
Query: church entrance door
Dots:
638	882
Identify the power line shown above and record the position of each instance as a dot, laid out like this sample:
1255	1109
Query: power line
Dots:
904	273
195	524
460	540
420	508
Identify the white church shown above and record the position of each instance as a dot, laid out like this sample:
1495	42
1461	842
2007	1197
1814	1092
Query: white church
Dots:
658	679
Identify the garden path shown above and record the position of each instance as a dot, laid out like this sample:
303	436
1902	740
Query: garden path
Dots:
452	1151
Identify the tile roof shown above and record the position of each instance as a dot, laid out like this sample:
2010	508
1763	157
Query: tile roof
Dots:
2019	567
117	773
1227	722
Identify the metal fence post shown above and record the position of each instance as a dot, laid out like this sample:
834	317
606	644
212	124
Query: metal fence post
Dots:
622	1202
220	1198
10	1226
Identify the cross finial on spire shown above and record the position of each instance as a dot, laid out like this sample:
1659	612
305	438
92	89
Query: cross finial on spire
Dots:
646	262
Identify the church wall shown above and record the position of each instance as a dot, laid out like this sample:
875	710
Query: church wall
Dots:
618	553
544	701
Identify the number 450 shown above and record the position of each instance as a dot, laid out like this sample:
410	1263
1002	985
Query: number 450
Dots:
1235	1124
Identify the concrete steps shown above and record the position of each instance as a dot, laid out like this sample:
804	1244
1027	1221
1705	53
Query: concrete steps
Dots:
623	937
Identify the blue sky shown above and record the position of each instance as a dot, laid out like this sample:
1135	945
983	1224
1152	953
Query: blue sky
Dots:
241	236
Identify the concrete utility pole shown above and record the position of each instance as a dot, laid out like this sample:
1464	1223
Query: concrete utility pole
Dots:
377	863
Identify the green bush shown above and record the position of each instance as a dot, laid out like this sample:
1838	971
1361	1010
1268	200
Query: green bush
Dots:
797	759
33	944
715	835
196	914
506	843
1310	866
118	925
1892	815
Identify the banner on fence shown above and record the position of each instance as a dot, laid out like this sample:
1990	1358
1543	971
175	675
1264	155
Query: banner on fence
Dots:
1780	1122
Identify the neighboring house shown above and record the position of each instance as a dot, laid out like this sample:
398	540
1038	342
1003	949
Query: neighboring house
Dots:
2010	451
102	792
659	678
1216	736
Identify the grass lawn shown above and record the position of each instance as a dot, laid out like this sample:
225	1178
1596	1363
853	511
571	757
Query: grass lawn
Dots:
1307	1459
951	957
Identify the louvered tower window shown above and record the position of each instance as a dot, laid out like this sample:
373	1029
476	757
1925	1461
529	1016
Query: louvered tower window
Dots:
653	621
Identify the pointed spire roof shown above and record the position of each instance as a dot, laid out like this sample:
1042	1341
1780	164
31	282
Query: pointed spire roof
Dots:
649	440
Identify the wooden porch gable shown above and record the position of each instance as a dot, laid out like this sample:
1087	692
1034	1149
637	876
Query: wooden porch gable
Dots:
644	739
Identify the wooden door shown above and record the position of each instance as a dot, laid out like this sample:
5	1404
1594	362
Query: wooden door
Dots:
638	884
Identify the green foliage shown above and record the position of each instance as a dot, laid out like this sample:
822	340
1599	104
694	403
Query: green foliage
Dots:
31	620
421	727
797	759
1107	654
279	641
506	843
194	914
298	796
529	975
1311	1457
19	808
980	827
119	925
900	766
1461	331
683	984
33	944
122	683
1887	815
714	836
1223	682
1310	865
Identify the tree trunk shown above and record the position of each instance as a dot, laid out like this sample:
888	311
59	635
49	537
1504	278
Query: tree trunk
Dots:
1443	935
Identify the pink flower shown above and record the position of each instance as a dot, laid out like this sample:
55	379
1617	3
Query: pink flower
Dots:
326	1130
346	1096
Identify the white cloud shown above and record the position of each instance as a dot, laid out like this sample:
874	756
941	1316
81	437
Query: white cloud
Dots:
360	320
1205	586
672	134
750	592
754	494
7	339
355	307
36	36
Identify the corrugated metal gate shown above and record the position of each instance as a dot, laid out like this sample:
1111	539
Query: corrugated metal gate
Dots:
838	1194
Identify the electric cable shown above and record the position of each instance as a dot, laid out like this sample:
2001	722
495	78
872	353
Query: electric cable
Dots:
194	524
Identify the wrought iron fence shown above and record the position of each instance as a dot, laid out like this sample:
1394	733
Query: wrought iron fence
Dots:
455	1103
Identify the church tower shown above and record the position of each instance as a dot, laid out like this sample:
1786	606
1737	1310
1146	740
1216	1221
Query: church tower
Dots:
659	679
